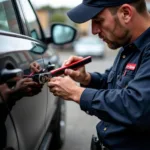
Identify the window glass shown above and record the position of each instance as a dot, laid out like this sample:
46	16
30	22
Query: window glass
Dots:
8	20
31	20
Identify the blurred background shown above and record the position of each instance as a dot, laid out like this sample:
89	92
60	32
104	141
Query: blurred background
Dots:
80	126
50	11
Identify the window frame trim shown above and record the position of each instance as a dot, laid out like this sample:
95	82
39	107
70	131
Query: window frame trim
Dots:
38	22
19	16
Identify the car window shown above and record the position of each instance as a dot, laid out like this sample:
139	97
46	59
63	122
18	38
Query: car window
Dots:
8	20
31	20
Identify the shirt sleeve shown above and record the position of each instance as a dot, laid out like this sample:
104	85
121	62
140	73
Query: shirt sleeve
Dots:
127	106
98	81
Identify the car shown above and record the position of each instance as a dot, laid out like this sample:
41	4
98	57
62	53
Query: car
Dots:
35	122
89	46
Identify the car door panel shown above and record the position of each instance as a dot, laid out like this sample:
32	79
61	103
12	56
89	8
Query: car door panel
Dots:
12	139
22	39
30	120
51	58
29	112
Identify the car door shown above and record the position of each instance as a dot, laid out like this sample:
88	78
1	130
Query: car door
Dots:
7	128
28	114
50	58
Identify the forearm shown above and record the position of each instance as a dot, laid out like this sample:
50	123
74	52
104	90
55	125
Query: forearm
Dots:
122	106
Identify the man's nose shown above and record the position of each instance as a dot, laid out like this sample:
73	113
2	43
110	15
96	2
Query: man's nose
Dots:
95	29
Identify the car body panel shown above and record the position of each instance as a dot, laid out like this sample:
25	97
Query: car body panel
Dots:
28	127
29	124
29	119
12	136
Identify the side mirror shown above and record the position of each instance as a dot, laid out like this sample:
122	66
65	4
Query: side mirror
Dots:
38	49
62	34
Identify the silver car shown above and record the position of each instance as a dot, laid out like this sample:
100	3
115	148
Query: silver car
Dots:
34	119
89	46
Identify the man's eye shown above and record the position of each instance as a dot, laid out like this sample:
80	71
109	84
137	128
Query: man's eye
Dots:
98	21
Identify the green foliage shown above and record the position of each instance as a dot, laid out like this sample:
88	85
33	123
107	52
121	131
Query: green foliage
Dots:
51	9
63	9
48	8
57	14
58	17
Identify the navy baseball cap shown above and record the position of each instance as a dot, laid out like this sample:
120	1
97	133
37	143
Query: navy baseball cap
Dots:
90	8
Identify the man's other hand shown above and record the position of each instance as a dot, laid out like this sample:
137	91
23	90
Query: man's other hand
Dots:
66	88
35	67
80	75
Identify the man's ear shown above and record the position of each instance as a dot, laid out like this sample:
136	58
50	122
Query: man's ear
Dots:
125	13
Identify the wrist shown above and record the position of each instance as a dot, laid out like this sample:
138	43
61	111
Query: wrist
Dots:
77	94
87	79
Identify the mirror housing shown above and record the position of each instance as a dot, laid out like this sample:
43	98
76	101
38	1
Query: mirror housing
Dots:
62	34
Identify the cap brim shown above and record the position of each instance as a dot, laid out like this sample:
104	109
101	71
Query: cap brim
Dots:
83	13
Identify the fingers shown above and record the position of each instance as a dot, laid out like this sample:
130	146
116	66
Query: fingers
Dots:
73	74
3	86
53	85
69	72
71	60
35	67
32	83
53	82
28	81
52	88
25	85
56	79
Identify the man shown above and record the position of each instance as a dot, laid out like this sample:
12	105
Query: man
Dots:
119	97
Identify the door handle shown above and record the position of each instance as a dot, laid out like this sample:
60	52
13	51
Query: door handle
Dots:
50	67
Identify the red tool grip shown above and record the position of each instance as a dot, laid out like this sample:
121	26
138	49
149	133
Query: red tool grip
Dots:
74	65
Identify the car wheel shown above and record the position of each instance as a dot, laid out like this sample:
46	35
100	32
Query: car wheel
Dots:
58	136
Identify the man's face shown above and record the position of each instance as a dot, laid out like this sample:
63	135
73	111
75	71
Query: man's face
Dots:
110	30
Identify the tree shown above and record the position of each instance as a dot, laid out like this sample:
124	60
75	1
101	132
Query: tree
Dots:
58	17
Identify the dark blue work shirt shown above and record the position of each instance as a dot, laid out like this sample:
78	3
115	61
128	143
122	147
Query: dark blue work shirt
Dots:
121	98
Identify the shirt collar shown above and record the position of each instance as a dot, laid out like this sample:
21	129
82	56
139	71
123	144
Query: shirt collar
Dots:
140	42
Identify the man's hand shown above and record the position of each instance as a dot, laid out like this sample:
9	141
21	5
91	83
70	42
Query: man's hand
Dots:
66	88
79	75
35	67
24	87
5	92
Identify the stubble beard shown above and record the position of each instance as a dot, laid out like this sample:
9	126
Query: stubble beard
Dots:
120	40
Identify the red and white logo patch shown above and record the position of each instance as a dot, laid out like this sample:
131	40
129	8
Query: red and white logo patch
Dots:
131	66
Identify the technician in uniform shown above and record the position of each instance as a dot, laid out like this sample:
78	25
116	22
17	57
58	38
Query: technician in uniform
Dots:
121	96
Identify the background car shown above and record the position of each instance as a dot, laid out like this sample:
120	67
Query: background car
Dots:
89	46
33	122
